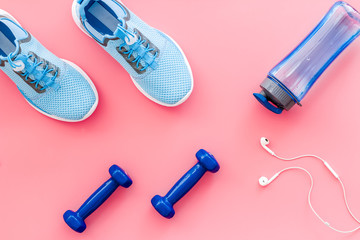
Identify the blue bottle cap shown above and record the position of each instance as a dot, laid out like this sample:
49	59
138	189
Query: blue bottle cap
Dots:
263	100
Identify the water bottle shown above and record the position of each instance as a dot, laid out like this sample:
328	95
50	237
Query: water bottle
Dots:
289	81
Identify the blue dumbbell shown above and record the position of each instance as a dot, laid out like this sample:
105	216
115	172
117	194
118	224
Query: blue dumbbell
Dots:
76	220
164	205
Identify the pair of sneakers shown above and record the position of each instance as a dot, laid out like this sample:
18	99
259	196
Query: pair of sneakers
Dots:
60	89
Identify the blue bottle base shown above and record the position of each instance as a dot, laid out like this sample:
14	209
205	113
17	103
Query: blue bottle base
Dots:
275	96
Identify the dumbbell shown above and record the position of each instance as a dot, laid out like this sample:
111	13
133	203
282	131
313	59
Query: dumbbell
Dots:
206	162
76	220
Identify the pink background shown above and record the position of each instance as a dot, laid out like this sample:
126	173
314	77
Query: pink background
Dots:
47	166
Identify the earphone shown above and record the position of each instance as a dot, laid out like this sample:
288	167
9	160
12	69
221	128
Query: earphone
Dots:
263	181
264	141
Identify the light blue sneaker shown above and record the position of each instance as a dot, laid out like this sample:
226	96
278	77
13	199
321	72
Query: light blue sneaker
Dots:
57	88
156	64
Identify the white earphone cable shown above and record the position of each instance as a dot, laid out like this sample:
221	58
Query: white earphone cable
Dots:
298	157
312	184
346	202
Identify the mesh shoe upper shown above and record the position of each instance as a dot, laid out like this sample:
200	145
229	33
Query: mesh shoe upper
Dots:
71	99
168	80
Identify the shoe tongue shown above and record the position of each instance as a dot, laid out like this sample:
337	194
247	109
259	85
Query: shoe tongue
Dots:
11	35
34	58
18	32
125	34
31	58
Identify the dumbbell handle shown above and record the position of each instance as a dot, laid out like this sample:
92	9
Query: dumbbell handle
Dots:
185	183
97	198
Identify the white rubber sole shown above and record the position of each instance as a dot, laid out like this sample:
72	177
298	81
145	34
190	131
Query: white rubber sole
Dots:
185	97
74	10
8	15
77	21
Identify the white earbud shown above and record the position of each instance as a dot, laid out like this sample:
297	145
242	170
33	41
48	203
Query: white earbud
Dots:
264	141
263	181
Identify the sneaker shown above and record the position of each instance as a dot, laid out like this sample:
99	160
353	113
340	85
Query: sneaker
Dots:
57	88
156	64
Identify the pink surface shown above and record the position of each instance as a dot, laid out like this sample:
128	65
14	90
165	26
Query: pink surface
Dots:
47	166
